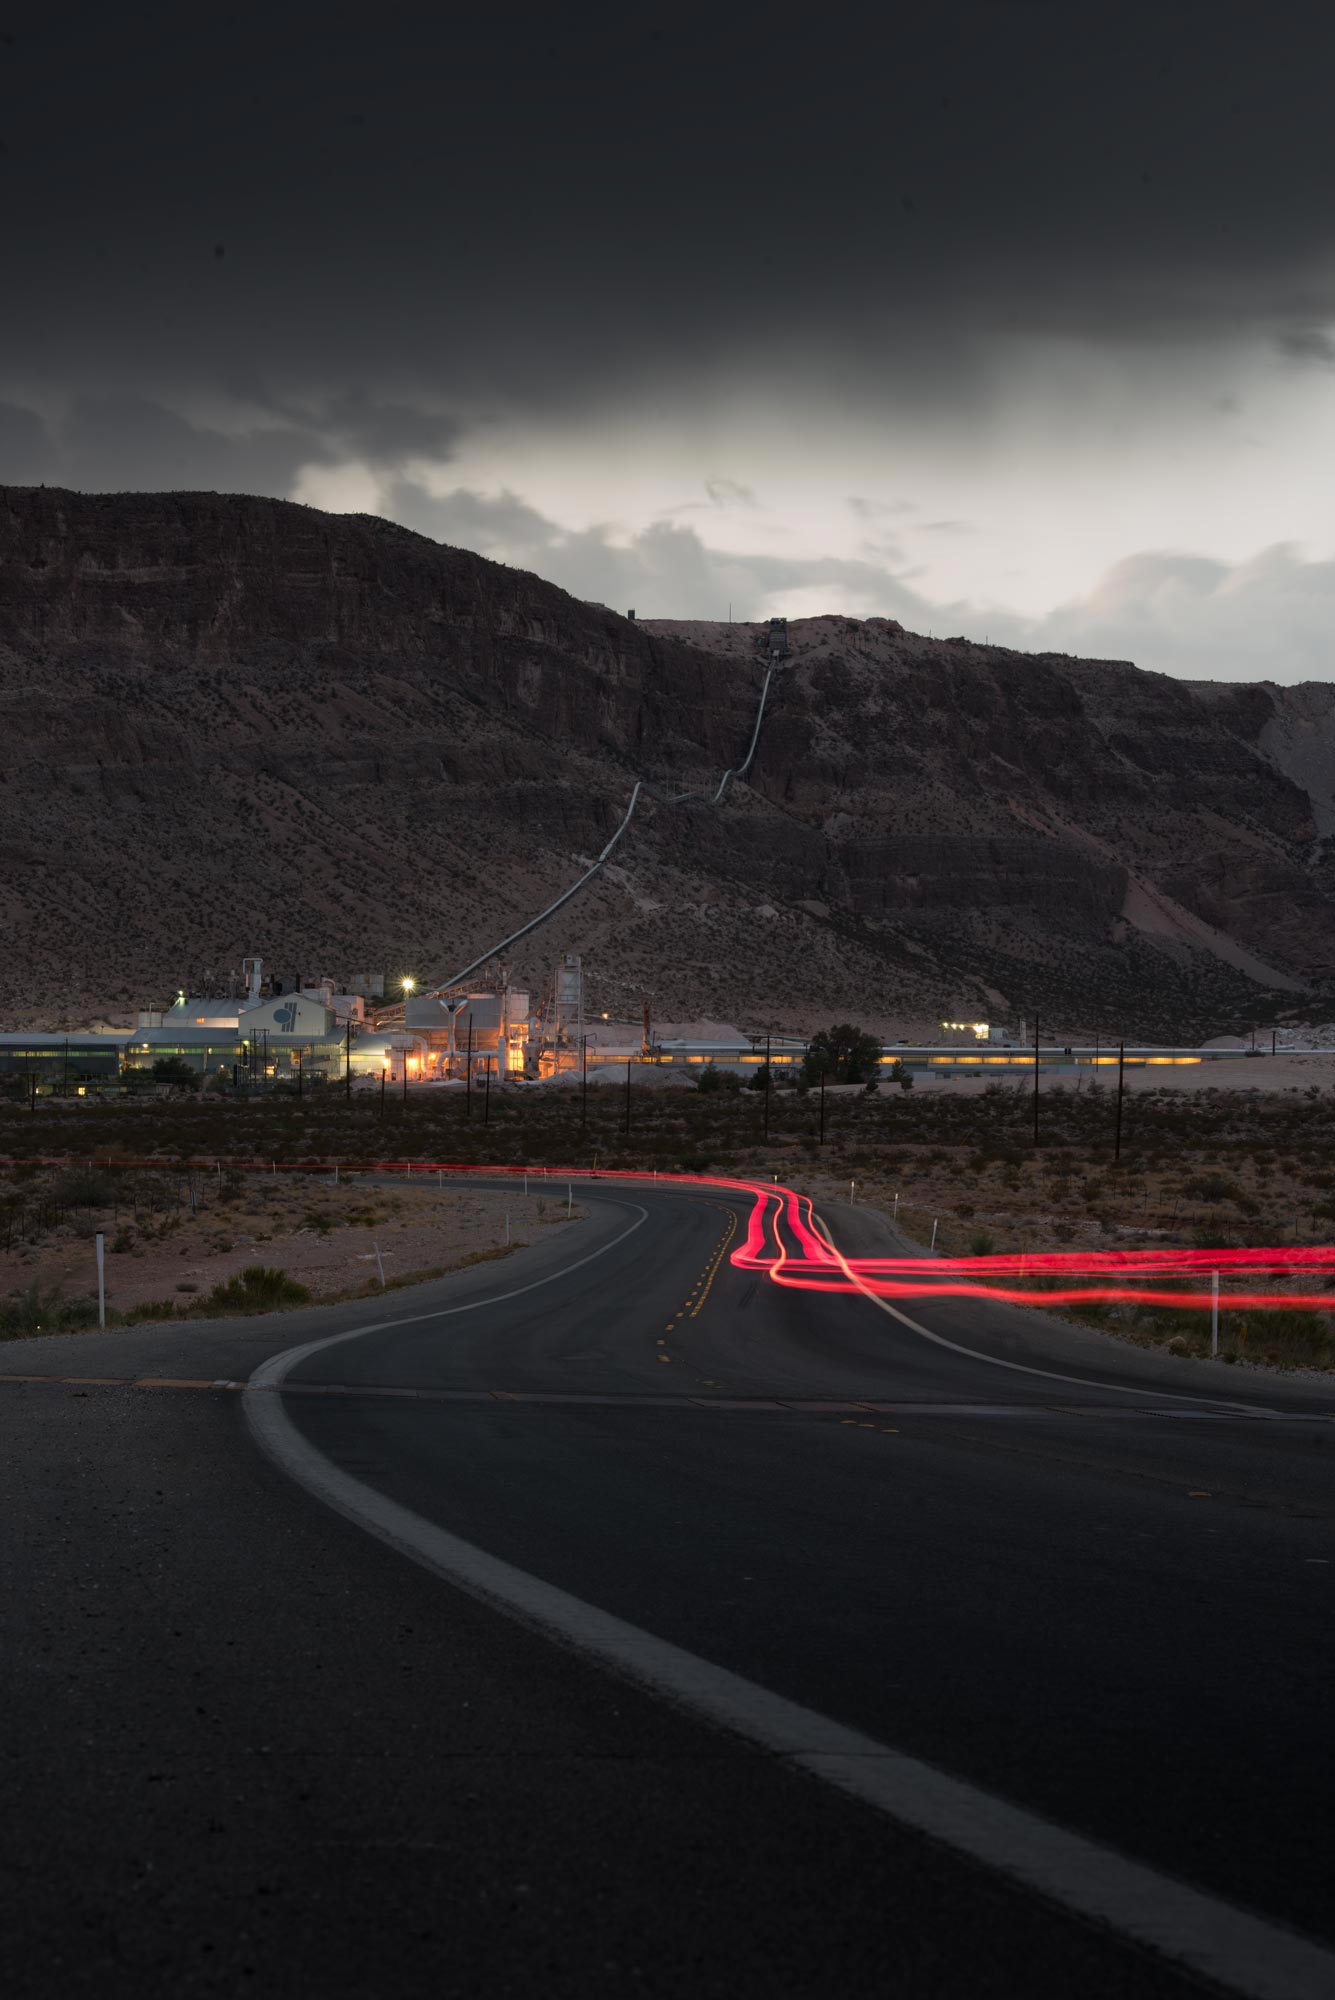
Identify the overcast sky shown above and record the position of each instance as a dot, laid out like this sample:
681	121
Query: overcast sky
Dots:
1012	319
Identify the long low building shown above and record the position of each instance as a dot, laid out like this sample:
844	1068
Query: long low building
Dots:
290	1035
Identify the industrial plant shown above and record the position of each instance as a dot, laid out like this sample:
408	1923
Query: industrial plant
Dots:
272	1034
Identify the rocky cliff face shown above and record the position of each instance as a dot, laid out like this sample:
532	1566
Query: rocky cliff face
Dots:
232	725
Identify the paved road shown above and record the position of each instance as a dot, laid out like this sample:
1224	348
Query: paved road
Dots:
252	1748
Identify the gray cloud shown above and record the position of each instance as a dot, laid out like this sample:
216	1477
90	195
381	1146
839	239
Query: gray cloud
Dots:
1271	617
1307	343
875	510
667	571
729	493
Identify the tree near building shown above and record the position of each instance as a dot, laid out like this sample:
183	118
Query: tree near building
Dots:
176	1071
844	1054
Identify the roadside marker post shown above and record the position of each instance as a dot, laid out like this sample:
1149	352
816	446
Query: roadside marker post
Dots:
1214	1315
935	1220
852	1191
569	1199
507	1226
895	1216
379	1265
101	1283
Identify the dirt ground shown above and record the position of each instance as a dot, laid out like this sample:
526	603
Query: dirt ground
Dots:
324	1236
1262	1072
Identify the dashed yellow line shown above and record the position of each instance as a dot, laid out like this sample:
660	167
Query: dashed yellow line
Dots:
697	1297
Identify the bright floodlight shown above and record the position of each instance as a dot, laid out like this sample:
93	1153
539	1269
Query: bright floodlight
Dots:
408	985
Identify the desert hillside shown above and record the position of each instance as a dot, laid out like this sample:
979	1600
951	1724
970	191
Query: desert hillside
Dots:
234	725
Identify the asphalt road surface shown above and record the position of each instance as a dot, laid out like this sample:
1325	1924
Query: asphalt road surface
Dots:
610	1620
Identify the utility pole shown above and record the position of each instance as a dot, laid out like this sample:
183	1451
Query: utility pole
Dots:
383	1074
347	1060
468	1070
1273	1034
769	1085
1117	1135
584	1082
296	1057
405	1079
822	1104
486	1095
628	1094
1035	1079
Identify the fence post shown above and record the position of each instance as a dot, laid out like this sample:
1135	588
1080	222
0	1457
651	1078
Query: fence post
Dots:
1214	1314
101	1283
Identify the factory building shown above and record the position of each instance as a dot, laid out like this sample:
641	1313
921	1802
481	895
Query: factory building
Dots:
314	1033
441	1031
62	1062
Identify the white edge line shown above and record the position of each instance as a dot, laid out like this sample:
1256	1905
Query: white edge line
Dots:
1244	1954
1025	1367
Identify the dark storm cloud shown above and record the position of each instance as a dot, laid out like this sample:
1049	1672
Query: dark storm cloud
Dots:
26	447
120	442
109	443
558	207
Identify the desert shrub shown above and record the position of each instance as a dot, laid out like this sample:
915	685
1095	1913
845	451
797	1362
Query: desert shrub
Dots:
981	1244
84	1187
29	1311
1212	1187
177	1072
259	1288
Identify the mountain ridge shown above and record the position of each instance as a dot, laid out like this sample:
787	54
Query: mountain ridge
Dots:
239	725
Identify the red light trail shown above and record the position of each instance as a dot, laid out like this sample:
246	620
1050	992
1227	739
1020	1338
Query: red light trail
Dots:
807	1262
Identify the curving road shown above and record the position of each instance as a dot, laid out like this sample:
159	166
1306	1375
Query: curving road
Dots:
729	1638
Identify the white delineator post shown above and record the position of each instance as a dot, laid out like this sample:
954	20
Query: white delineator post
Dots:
1214	1313
932	1244
895	1216
852	1189
569	1199
379	1265
101	1283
